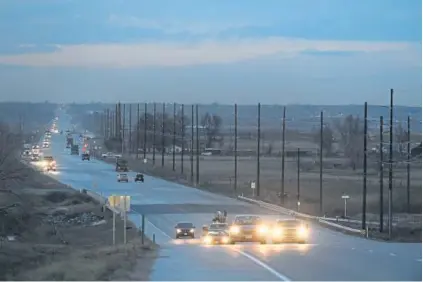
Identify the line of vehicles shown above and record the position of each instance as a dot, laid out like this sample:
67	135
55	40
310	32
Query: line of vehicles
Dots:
246	228
121	165
34	152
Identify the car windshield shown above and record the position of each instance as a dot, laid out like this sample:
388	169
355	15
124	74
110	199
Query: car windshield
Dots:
123	175
247	220
288	223
218	226
184	225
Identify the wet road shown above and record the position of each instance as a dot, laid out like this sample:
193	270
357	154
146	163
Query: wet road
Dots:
328	256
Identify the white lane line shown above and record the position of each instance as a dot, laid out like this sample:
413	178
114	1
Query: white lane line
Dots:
419	260
161	231
370	251
392	254
262	264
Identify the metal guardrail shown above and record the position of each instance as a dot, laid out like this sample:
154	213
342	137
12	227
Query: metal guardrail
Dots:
301	215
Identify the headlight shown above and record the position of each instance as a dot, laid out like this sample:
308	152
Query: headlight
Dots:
178	230
225	240
277	232
234	229
263	229
192	230
207	239
302	231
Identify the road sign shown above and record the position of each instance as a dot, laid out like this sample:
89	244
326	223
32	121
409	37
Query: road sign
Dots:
122	203
345	197
253	185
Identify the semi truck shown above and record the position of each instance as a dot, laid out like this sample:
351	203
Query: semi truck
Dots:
75	150
121	164
69	142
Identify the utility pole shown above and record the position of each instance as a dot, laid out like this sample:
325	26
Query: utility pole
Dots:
130	128
391	114
192	143
163	132
363	220
154	133
283	157
183	138
258	151
174	137
198	146
408	162
123	129
138	130
108	124
116	122
298	180
145	131
113	124
381	174
321	164
236	148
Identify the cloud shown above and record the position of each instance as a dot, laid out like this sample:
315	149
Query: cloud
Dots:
26	46
175	27
199	53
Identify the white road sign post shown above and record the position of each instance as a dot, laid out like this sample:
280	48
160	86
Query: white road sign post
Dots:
124	220
253	186
345	197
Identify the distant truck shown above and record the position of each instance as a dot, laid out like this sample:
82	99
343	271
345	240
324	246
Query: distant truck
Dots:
69	142
121	165
75	150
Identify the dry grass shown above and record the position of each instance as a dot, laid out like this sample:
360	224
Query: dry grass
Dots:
46	251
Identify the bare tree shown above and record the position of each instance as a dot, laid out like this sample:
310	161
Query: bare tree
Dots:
328	139
10	167
212	125
401	138
351	139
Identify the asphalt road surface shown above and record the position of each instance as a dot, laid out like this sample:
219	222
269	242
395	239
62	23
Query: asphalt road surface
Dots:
329	255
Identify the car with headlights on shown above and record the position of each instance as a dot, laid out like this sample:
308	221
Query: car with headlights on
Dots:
217	237
289	231
185	229
248	228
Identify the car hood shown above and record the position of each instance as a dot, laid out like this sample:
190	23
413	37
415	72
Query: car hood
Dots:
247	227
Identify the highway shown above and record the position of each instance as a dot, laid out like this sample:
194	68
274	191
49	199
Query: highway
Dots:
329	256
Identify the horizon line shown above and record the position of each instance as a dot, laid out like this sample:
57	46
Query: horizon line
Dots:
208	104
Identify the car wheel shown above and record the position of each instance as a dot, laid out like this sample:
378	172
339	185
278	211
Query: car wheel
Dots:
177	237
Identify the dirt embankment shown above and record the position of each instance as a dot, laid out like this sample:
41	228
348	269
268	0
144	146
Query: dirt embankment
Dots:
49	231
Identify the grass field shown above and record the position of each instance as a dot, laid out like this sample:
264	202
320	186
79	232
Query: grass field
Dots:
217	174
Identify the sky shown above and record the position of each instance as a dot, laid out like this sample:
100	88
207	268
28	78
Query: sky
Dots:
211	51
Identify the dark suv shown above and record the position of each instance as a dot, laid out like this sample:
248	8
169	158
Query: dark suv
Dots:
85	156
185	229
248	228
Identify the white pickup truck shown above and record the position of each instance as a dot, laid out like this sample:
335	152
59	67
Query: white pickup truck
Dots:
110	155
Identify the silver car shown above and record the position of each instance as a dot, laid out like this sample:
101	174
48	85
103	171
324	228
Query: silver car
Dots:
123	177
